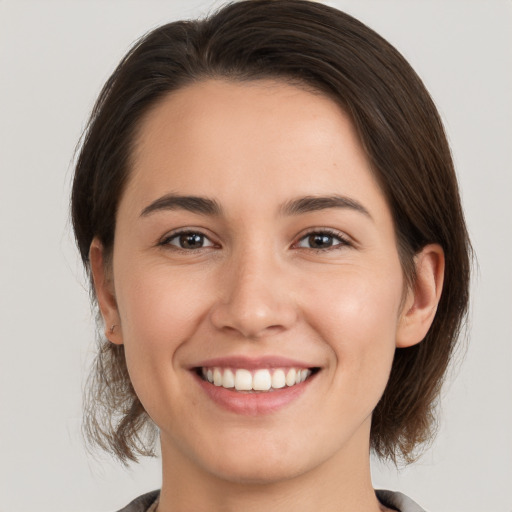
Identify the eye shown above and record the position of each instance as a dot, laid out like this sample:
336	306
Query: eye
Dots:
187	240
322	240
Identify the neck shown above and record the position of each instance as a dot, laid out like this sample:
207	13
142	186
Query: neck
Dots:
341	483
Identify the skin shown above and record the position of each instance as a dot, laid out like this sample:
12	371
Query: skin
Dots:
258	287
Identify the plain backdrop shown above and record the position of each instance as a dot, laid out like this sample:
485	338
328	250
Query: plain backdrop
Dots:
54	57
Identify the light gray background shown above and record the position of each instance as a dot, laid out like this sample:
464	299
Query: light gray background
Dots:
54	57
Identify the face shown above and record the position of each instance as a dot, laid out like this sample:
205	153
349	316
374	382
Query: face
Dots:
254	248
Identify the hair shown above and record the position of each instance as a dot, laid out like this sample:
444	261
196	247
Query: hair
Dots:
321	49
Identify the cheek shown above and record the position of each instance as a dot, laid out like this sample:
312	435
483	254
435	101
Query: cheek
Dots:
357	315
159	310
159	301
355	301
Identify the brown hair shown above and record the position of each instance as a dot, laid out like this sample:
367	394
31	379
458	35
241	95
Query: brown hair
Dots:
315	46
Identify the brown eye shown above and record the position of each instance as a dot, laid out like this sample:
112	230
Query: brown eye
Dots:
188	241
321	240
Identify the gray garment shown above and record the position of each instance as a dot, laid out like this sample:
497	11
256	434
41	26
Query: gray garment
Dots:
398	501
142	503
394	500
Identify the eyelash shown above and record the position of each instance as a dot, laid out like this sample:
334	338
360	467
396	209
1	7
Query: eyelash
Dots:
342	239
165	242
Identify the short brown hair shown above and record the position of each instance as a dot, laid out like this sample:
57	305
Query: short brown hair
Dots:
315	46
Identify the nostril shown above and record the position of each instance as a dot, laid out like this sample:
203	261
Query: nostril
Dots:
254	313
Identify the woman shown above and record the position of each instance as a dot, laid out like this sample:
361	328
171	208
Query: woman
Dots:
267	207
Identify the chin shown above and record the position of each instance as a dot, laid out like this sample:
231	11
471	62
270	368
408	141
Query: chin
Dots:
256	472
252	459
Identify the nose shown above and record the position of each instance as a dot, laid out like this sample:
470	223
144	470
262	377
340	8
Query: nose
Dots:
256	297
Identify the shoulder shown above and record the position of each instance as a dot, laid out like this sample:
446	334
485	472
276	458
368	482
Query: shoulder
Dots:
398	501
142	503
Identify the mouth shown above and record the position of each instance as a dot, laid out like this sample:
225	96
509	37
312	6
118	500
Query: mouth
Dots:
255	386
257	380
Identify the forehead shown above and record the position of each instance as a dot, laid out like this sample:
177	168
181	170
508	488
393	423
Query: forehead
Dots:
237	140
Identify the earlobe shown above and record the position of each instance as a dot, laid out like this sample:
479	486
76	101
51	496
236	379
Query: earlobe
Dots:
423	298
105	294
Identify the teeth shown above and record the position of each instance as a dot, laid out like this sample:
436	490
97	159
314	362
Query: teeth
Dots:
217	377
290	377
228	380
278	379
243	380
261	380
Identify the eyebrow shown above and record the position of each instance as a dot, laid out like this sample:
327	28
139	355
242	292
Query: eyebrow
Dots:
210	207
194	204
316	203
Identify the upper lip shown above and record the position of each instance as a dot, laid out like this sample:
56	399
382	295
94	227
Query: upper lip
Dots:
250	363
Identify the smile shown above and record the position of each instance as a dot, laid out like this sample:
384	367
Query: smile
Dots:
254	386
258	380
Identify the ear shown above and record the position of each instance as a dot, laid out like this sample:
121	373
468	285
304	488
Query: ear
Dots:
105	293
422	298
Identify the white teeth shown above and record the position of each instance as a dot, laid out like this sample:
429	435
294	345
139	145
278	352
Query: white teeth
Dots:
290	377
243	380
228	380
278	379
260	380
217	377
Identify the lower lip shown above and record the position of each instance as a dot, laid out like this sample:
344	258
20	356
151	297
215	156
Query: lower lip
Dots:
256	403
